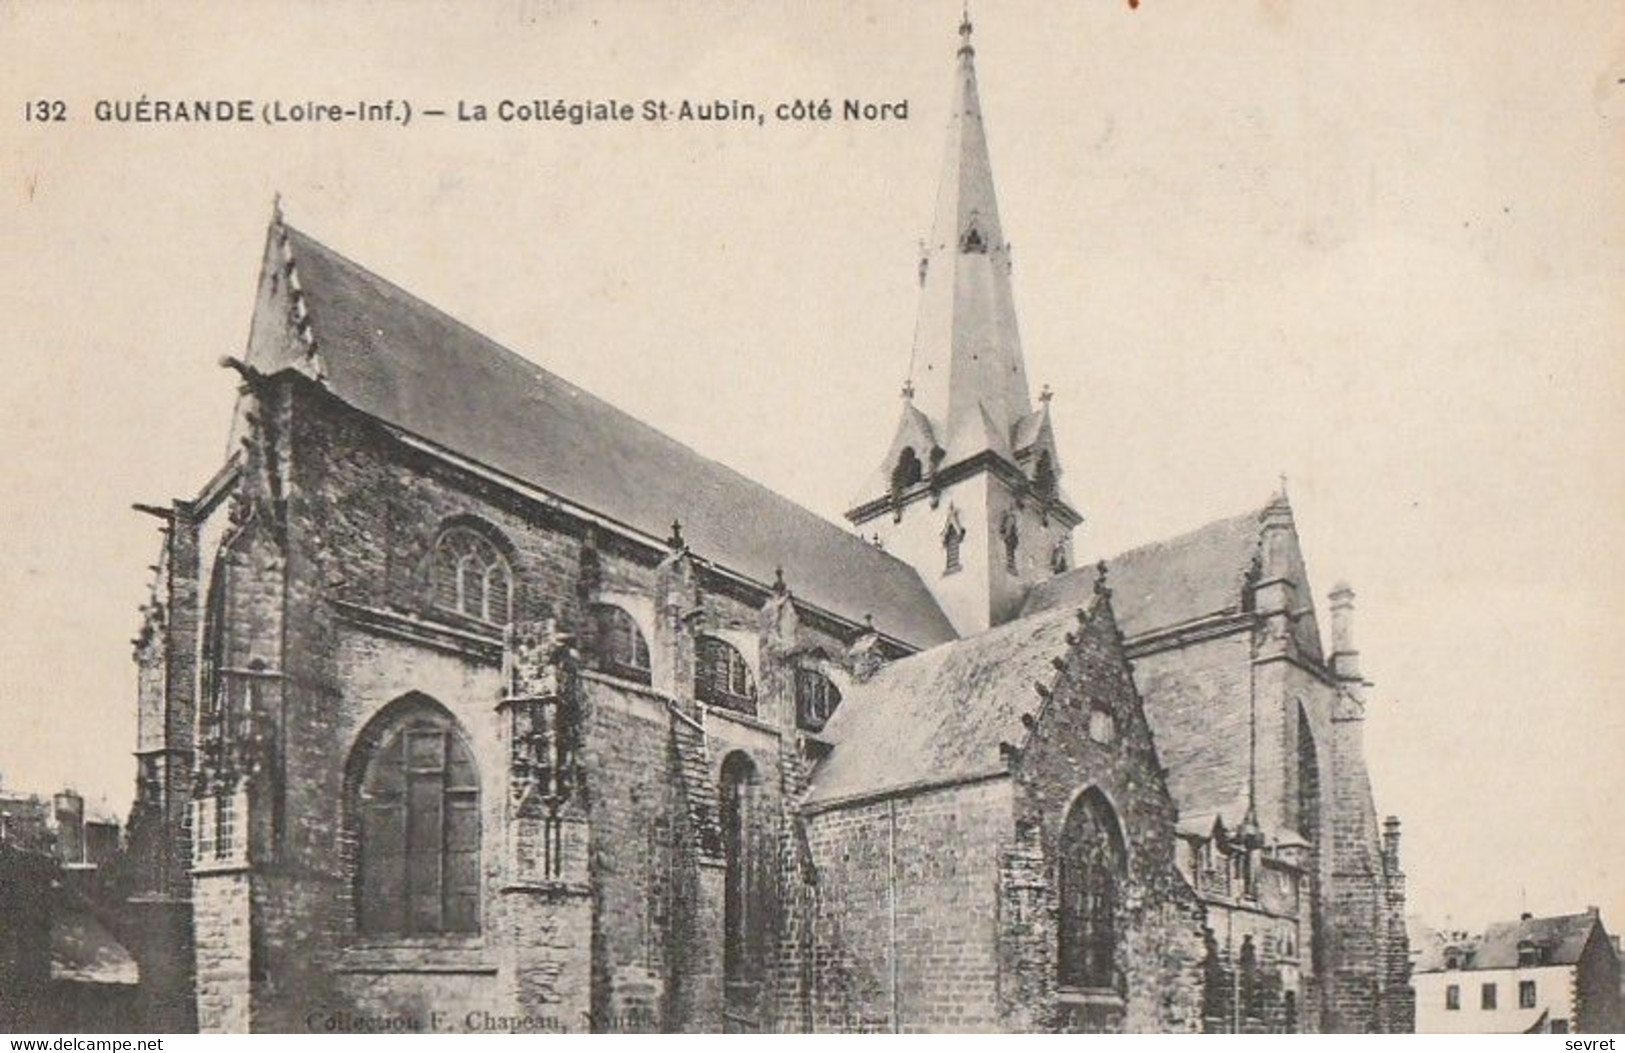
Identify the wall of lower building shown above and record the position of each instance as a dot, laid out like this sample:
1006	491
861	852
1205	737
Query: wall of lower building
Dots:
1554	996
905	911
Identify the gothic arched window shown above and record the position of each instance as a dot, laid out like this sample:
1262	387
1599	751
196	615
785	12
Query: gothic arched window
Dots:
816	699
722	677
414	802
1092	867
620	649
907	471
740	961
953	536
471	578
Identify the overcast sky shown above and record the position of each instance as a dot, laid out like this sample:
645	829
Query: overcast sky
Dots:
1376	246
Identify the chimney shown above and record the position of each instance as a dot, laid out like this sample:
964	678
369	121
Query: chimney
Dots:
69	809
1345	656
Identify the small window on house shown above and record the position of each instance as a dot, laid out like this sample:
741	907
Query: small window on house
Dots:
1452	996
1526	994
621	650
1530	954
1486	997
471	578
1059	563
414	798
972	241
816	699
722	677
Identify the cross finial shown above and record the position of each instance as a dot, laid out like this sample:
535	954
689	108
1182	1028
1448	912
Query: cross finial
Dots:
964	31
676	540
908	389
779	586
276	208
1045	395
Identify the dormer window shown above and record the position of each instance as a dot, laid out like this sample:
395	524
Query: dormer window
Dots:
973	240
1530	954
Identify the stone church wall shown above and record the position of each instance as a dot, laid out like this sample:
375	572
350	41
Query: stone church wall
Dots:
1158	918
905	931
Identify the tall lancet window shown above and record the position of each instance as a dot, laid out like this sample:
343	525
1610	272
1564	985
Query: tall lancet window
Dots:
741	960
1092	866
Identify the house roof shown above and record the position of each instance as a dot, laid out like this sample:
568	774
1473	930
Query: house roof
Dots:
1563	938
940	715
396	358
1166	583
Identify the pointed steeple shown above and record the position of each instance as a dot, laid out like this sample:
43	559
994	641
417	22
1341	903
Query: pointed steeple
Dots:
966	366
969	491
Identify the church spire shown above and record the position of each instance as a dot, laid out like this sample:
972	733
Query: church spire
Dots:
966	366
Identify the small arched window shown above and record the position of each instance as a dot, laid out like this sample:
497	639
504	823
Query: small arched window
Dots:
722	677
953	536
1092	867
907	471
414	799
471	578
816	699
621	650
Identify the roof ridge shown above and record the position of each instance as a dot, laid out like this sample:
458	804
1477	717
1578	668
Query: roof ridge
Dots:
542	372
1255	513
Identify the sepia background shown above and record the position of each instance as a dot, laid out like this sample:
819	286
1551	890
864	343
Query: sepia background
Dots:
1377	247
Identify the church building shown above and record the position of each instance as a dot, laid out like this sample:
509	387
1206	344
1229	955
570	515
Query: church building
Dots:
447	725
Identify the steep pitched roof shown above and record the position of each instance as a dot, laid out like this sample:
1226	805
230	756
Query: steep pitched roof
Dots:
1166	583
941	714
396	358
1562	938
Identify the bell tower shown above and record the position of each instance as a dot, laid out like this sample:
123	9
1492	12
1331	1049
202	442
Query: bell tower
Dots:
969	491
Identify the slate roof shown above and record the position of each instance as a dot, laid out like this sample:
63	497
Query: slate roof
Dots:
940	715
1166	583
395	357
1563	938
